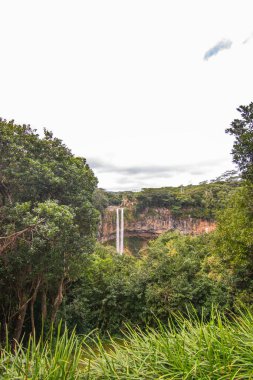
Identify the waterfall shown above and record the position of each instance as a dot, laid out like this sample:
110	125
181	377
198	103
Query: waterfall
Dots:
117	230
120	230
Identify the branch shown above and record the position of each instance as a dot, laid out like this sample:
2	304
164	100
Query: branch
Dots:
9	241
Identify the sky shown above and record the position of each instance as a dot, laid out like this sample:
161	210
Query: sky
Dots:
144	90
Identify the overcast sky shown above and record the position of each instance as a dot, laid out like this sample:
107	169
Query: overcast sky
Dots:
143	89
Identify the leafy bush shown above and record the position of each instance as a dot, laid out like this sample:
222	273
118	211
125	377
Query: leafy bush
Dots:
169	275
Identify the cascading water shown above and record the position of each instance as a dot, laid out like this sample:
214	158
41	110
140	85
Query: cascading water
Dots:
117	230
120	230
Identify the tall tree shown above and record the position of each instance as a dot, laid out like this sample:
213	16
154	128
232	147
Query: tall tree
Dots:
242	130
47	223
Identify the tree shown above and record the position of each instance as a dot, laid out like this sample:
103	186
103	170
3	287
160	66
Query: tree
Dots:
48	224
233	244
107	295
242	130
176	277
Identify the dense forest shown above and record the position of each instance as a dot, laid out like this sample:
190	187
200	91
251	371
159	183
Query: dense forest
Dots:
201	201
53	271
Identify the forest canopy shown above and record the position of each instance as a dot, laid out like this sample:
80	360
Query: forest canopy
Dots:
47	224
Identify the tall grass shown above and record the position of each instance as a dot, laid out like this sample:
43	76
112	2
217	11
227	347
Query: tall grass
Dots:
185	349
53	358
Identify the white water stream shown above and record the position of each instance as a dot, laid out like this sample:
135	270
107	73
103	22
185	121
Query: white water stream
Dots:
120	230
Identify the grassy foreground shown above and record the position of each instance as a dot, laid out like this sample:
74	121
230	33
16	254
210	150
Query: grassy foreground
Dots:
185	349
50	359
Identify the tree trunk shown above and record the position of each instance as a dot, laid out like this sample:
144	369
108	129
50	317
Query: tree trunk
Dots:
34	296
19	324
4	331
57	301
44	306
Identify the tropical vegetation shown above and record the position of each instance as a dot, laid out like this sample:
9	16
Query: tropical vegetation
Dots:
72	308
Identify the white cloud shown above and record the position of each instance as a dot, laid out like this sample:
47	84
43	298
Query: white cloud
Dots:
217	48
125	81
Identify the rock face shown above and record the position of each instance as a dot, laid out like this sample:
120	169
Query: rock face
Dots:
150	223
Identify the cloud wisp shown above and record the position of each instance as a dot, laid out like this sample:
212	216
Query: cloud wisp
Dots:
141	176
106	167
248	38
216	49
146	171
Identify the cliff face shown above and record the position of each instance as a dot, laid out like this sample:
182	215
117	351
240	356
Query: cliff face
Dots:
150	223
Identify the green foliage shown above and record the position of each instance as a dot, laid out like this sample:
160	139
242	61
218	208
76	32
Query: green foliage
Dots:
116	197
47	224
34	169
52	358
176	278
171	275
242	130
100	199
107	294
218	347
233	244
198	201
192	348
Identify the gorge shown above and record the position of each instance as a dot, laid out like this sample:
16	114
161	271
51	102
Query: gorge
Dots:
146	225
144	215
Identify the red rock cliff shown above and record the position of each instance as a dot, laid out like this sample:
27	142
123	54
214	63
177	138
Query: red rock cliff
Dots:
150	223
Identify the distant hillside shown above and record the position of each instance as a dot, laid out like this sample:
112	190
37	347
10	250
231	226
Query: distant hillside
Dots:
152	211
201	201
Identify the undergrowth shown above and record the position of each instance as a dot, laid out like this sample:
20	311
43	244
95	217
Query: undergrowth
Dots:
185	349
